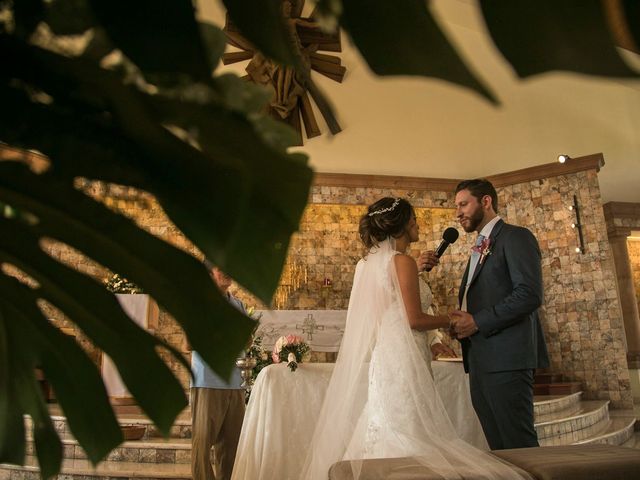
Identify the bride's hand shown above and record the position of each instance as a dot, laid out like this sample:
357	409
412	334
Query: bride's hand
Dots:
427	260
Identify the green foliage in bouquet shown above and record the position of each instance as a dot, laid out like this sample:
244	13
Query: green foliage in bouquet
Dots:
262	356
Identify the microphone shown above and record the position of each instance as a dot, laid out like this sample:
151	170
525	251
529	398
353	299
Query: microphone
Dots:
449	236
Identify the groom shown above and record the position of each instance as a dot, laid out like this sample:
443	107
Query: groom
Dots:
497	324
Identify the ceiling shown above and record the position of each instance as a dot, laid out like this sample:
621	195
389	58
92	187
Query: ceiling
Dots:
429	128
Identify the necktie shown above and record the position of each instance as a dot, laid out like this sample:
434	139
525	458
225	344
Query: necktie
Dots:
475	257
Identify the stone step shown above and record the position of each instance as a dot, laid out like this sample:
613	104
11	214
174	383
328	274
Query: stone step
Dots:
618	431
180	429
546	404
178	450
586	417
614	431
548	377
543	405
633	442
557	388
84	470
160	451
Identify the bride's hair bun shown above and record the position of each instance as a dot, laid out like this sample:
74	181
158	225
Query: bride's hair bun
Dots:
388	217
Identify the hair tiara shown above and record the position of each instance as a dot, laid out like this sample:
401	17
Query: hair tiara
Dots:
385	210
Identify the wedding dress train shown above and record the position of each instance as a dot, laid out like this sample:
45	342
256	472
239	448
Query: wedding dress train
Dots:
381	401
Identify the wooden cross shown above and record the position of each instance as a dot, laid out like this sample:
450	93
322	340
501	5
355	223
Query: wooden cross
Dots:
309	326
291	103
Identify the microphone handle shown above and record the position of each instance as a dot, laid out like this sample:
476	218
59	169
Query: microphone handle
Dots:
439	251
441	248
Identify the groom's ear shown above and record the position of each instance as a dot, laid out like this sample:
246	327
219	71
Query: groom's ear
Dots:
487	202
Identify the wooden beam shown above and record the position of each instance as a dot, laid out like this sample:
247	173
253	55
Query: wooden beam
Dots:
622	210
555	169
383	181
574	165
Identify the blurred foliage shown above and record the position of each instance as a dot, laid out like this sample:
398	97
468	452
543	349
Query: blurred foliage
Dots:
125	93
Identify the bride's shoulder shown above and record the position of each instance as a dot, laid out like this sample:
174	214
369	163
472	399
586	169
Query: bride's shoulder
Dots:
405	262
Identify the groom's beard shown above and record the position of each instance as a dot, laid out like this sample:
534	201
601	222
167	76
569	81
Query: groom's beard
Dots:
474	220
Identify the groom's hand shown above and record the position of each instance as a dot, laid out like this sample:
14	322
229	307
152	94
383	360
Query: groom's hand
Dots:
463	324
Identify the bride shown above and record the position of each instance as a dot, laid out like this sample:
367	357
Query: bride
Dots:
381	401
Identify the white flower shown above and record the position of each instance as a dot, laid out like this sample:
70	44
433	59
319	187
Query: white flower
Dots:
291	357
279	344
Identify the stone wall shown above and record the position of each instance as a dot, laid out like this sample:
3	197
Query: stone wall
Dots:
581	315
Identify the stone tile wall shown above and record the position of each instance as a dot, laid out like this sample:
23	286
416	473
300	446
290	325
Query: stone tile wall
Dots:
581	315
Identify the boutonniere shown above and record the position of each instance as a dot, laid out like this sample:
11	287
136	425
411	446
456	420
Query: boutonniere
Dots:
484	249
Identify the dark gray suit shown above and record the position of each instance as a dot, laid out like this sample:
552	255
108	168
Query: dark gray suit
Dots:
503	297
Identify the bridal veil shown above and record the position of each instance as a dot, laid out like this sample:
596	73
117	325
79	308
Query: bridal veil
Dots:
381	401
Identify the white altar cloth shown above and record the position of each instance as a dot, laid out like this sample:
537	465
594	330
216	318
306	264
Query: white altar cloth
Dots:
323	334
284	406
137	307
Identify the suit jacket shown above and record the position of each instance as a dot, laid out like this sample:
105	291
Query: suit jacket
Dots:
503	297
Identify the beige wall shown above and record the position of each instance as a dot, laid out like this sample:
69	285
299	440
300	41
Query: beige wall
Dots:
430	128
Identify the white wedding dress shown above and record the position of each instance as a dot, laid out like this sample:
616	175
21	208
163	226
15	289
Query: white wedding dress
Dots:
381	401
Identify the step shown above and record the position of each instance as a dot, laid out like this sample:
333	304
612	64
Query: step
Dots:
633	442
588	414
618	431
83	470
180	429
172	450
548	378
546	404
557	388
615	431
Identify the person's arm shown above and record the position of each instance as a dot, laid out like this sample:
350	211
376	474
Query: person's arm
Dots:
427	260
407	272
441	350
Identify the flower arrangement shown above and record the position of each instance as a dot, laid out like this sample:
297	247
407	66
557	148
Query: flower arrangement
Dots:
257	351
118	284
291	349
484	249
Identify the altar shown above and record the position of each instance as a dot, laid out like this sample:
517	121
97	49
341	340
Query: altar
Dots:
321	329
144	311
284	405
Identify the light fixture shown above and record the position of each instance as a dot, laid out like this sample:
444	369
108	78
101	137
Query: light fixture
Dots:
577	225
563	158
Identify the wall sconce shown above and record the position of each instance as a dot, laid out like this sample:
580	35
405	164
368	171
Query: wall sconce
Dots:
326	286
574	208
563	158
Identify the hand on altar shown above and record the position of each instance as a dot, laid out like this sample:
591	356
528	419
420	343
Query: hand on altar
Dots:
427	260
441	350
462	324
